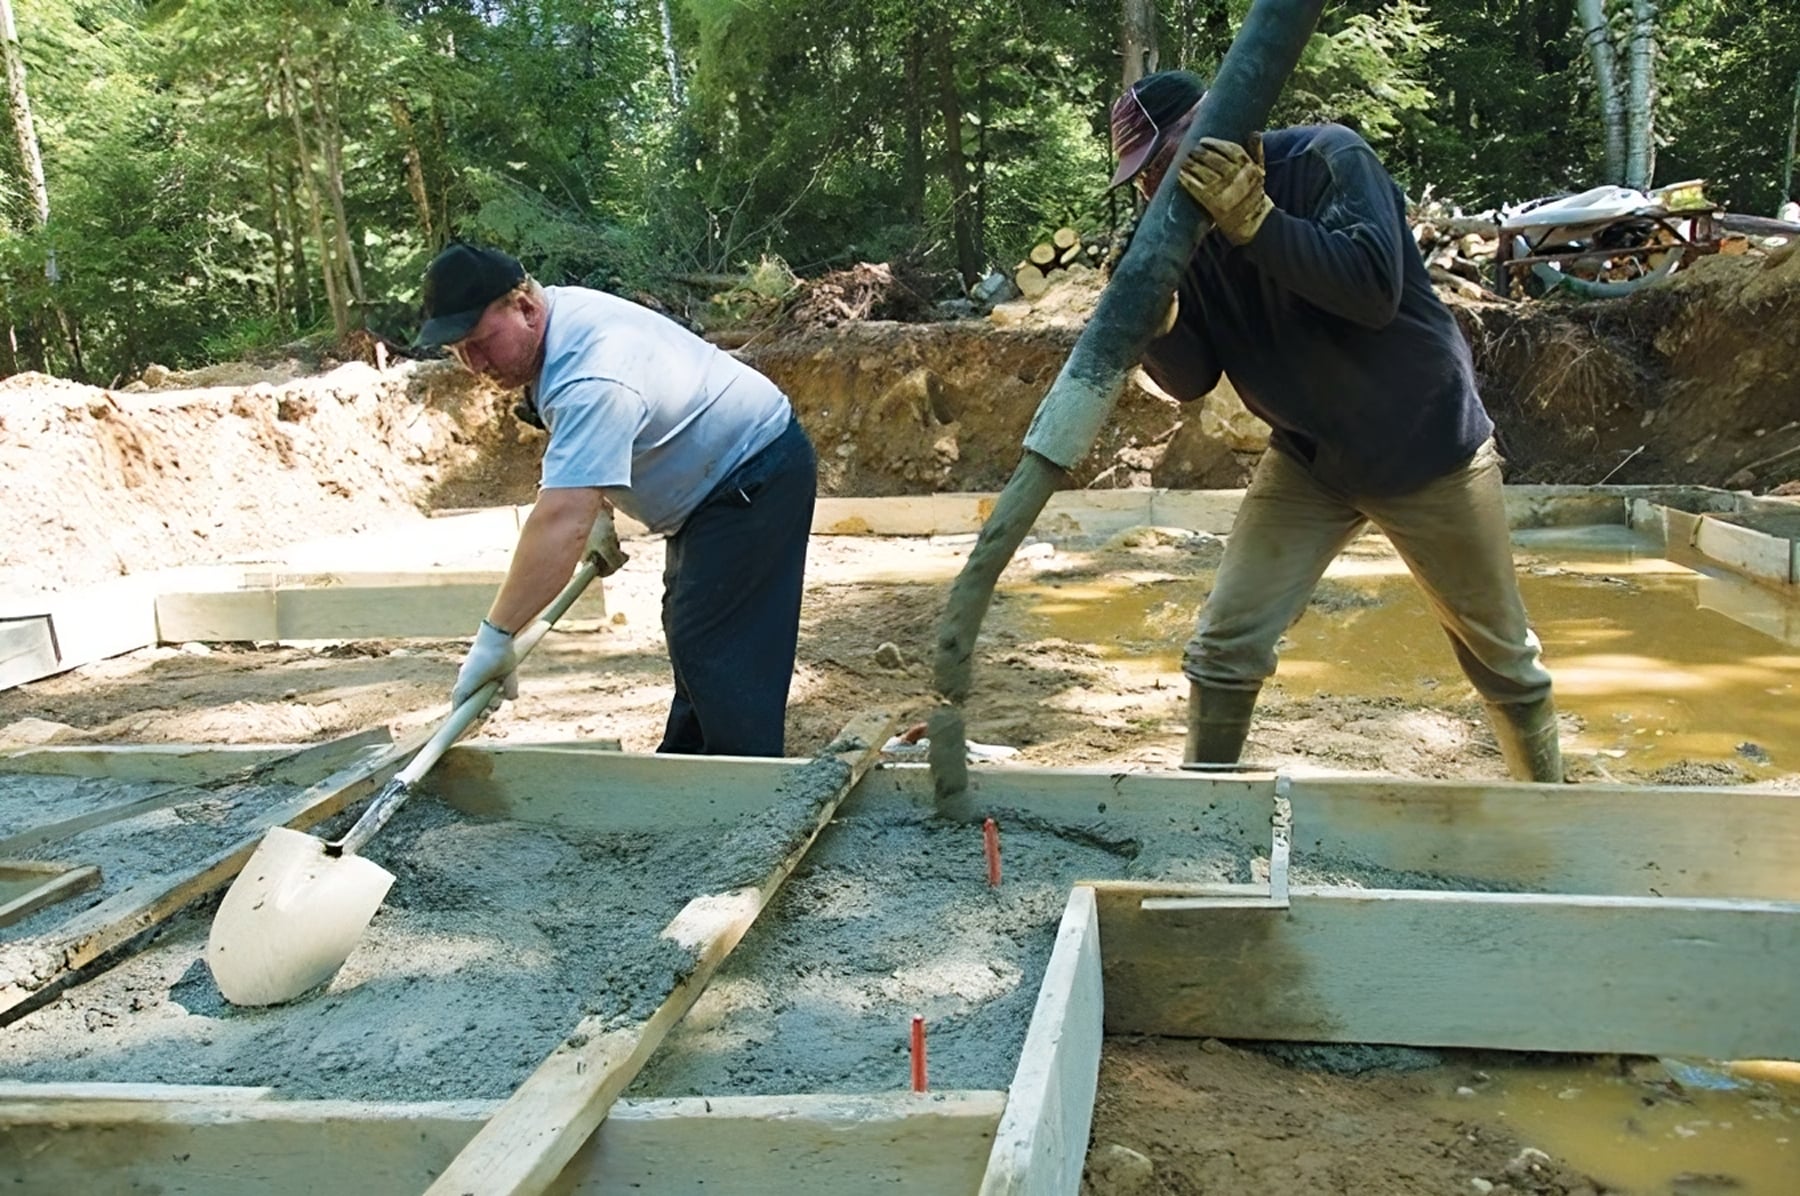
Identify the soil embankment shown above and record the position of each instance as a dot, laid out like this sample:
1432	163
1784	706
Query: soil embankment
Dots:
1693	381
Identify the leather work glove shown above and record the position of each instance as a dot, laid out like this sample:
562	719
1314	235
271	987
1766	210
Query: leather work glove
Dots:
1227	180
491	657
603	545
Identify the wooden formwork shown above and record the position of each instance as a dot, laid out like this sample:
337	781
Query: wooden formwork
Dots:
438	578
1631	919
1644	920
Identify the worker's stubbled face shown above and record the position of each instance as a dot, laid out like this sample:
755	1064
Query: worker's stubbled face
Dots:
504	346
1152	175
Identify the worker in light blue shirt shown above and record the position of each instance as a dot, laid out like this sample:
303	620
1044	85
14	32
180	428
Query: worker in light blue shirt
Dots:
649	418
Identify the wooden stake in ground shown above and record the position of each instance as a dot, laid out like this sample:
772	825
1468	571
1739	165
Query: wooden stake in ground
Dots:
530	1138
1080	401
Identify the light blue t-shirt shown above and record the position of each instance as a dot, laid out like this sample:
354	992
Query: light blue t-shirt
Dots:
642	408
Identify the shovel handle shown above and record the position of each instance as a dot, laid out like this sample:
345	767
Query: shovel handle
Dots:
467	714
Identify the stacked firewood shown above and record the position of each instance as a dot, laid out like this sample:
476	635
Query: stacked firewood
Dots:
1458	250
1065	248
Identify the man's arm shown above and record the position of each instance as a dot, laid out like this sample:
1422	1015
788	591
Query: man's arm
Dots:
1347	259
550	546
1180	360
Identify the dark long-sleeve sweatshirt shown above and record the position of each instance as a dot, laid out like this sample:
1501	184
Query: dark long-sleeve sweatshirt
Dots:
1327	325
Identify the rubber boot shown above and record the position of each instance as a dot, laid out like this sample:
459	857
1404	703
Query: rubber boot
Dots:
1218	723
1526	732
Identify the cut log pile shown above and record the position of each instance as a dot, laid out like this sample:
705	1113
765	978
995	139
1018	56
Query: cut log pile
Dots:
1065	248
1458	250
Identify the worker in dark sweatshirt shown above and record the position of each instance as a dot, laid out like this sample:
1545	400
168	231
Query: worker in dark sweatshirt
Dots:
1310	295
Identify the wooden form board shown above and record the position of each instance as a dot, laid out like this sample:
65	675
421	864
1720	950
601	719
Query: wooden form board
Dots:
191	763
432	604
1687	535
1514	971
535	1133
573	786
192	767
1040	1147
56	1140
423	583
1100	512
27	649
27	886
53	633
1599	839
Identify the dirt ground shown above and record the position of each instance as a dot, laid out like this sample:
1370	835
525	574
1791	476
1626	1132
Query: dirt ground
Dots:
1212	1119
113	483
1059	702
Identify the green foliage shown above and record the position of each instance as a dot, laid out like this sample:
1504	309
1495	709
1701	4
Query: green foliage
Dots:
816	132
1368	73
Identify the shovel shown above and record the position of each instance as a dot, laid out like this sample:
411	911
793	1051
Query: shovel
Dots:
300	905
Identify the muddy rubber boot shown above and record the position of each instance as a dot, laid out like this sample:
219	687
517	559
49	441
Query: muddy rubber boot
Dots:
1526	732
1218	723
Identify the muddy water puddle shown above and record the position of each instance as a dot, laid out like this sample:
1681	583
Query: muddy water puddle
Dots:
1649	1127
1661	663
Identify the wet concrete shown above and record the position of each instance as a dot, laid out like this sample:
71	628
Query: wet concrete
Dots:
496	939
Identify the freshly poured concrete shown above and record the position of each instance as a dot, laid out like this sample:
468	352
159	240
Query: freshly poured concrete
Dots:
889	916
152	844
495	940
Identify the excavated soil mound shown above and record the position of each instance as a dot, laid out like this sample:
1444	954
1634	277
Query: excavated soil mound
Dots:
1690	381
916	408
1695	380
101	483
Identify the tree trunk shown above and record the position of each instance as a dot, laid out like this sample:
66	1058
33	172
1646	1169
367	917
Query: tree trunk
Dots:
1137	39
18	102
1640	106
979	184
1793	147
956	166
1606	84
415	170
331	137
914	183
677	89
340	313
277	244
305	312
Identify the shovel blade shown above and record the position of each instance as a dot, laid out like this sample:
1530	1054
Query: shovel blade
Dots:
291	918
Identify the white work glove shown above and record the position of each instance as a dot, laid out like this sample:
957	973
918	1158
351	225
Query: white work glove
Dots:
491	658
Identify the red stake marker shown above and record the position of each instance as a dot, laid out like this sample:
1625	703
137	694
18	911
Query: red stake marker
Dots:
918	1053
990	835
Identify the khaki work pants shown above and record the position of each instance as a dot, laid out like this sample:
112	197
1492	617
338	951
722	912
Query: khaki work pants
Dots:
1452	534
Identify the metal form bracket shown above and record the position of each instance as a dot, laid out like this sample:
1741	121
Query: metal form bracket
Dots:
1273	895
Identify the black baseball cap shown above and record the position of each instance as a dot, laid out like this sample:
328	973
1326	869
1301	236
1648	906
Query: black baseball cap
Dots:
459	284
1145	114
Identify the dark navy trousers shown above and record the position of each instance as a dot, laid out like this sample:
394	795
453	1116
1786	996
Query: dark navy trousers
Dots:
731	603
